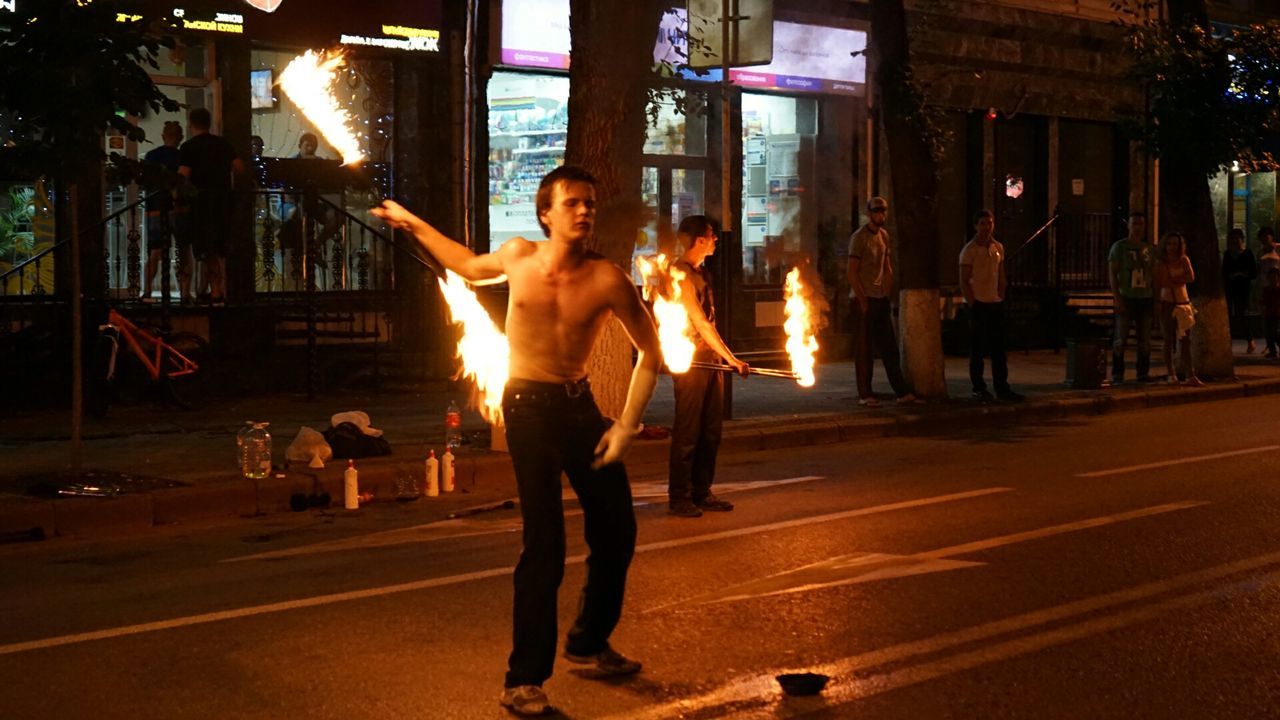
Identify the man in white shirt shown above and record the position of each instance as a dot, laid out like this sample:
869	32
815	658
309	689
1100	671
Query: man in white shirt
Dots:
983	282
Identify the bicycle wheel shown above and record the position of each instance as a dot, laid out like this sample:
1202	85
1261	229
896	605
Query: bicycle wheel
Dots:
190	391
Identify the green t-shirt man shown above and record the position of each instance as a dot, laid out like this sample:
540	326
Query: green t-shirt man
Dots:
1132	265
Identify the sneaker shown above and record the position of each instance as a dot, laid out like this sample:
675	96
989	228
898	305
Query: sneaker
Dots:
1171	379
983	396
870	402
711	503
1193	381
908	399
525	700
1009	395
607	662
684	508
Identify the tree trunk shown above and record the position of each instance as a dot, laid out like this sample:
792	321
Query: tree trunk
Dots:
1186	207
914	198
609	76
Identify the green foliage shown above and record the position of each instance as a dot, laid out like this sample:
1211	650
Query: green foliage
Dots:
1213	98
17	241
72	73
924	119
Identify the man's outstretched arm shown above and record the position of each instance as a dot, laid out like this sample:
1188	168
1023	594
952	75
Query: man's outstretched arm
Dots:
635	320
453	255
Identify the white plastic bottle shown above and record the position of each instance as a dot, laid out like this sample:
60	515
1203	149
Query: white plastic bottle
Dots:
433	475
351	486
446	470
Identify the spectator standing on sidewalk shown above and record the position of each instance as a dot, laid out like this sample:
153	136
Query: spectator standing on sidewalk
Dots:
1271	310
1131	263
695	436
1268	260
1239	268
1173	273
983	283
870	275
561	295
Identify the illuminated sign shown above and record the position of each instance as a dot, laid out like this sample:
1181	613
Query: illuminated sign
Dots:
391	24
810	58
10	5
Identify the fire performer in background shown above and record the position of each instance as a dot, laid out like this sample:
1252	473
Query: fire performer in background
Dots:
695	436
561	295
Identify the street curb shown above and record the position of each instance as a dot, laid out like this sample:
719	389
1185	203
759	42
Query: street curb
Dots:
237	497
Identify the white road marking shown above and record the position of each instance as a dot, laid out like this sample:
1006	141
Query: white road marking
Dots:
1178	461
761	689
319	600
469	527
867	567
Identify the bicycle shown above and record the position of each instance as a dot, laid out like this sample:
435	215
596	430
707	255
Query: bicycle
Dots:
169	362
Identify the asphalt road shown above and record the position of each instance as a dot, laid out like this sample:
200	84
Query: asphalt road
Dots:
1119	566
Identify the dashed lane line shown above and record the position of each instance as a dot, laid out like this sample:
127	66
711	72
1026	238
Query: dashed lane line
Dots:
1177	461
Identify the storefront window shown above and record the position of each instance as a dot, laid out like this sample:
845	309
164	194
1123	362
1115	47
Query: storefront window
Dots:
670	195
678	127
777	171
528	127
1243	200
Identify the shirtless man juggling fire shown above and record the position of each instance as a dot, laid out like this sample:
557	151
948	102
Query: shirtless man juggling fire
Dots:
561	295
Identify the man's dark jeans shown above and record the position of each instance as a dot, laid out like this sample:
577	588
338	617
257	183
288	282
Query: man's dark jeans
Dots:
874	330
1138	314
553	428
986	325
695	436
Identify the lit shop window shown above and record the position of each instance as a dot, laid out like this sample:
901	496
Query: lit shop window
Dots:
677	125
777	172
528	127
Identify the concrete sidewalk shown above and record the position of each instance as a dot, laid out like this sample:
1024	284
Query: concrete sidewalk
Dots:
182	464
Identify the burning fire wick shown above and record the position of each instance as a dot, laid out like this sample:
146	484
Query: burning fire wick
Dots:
675	334
309	81
800	327
484	350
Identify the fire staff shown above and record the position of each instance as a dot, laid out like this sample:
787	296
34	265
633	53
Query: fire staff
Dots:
561	295
695	436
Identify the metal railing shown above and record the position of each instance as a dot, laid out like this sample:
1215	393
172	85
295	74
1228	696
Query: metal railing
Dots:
1081	244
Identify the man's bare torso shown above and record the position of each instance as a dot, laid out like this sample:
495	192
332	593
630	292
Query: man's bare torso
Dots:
554	316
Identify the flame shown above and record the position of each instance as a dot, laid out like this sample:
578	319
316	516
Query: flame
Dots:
675	334
309	81
800	326
483	348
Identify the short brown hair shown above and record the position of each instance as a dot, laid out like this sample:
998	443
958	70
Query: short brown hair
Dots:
565	173
200	119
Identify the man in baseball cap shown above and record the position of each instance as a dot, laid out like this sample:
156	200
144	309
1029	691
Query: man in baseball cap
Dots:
870	275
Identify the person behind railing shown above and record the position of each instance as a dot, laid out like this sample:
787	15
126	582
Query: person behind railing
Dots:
1239	268
166	220
210	164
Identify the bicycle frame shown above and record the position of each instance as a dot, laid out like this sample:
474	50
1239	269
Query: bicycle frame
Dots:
158	355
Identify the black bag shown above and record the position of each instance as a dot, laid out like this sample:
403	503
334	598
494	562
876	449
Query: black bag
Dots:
348	442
